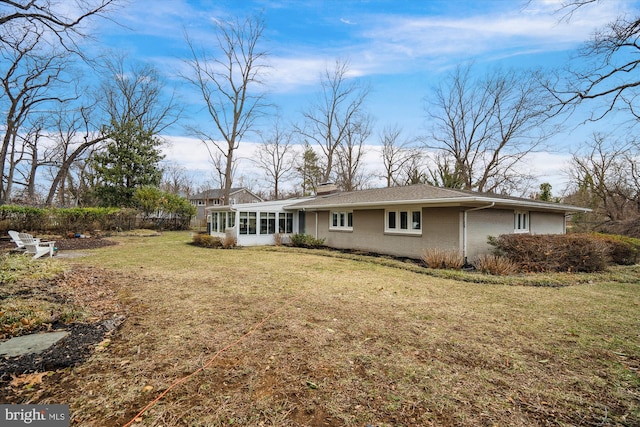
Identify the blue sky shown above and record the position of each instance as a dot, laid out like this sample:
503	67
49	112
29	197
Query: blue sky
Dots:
401	48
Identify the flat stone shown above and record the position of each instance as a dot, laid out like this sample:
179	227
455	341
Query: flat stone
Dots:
34	343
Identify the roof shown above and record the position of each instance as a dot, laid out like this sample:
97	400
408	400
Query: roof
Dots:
424	194
269	206
217	193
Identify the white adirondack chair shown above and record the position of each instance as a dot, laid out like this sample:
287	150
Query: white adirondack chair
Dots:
35	246
15	236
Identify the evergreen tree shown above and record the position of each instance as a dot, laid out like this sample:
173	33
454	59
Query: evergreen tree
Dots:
130	160
310	170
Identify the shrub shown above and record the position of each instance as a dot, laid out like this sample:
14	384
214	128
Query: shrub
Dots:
495	265
442	258
553	253
207	241
301	240
277	239
229	241
623	250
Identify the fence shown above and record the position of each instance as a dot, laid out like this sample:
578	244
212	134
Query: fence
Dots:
83	220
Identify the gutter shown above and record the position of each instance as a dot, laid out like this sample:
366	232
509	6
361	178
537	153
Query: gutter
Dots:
464	228
450	201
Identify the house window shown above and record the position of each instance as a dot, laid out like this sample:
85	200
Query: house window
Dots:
248	222
285	222
200	202
521	222
341	220
391	220
267	222
416	220
403	221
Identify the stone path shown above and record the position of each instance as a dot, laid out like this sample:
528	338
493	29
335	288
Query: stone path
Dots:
27	344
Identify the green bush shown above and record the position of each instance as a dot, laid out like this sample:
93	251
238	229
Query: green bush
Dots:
554	252
301	240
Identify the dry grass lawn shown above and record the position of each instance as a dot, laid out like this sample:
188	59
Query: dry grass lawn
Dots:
349	343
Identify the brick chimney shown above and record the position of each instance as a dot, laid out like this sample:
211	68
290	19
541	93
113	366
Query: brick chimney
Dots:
326	188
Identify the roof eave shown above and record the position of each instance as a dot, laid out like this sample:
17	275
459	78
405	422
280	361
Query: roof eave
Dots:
448	202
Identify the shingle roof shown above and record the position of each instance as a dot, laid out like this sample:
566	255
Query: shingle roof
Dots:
423	194
213	193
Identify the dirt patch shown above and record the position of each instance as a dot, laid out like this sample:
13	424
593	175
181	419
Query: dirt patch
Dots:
67	244
81	301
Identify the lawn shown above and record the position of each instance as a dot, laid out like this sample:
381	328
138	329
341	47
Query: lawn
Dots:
286	337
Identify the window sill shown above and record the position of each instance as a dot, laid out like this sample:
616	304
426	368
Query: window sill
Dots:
403	233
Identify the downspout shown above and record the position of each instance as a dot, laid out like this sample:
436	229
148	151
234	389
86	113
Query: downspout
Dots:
316	236
236	222
464	229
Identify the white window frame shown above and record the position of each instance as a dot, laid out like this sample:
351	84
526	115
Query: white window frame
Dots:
285	222
403	216
268	223
248	217
341	220
521	221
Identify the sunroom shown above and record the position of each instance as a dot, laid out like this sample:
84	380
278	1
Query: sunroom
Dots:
254	224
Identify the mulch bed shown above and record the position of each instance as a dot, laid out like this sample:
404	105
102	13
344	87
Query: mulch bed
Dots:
89	287
68	244
69	351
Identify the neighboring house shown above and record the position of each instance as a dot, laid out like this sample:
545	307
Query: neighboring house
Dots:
208	198
400	221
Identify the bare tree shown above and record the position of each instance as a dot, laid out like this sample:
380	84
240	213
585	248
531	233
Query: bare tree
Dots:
484	127
128	93
413	172
75	132
276	156
350	152
327	120
134	92
28	77
605	175
397	152
54	18
228	84
37	40
606	68
175	180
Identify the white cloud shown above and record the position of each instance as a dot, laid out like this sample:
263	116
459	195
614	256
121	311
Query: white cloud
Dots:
193	156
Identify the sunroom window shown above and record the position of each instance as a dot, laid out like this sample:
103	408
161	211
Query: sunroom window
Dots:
267	222
285	222
248	222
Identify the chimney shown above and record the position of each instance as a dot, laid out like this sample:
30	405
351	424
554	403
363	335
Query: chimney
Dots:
326	188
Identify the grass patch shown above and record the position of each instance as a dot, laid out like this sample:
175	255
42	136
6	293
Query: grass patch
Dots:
354	340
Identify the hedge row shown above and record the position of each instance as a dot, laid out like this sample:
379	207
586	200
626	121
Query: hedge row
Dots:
569	252
77	220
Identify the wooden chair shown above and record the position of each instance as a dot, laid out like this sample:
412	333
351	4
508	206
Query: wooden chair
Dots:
35	246
15	236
